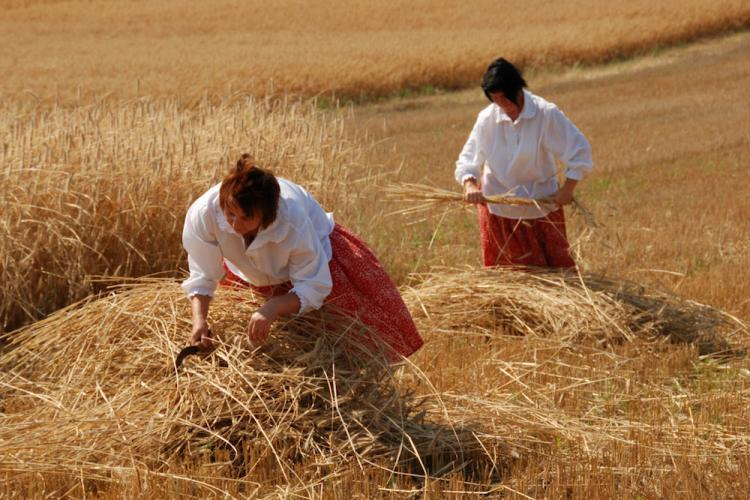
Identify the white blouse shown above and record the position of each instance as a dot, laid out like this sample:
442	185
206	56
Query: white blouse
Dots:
296	247
519	158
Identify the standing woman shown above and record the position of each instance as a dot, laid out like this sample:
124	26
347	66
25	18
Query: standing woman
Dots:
257	230
518	139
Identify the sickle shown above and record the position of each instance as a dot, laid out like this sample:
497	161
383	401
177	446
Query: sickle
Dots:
189	351
184	353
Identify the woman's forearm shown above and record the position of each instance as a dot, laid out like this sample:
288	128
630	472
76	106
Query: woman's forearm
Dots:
282	305
564	195
569	186
199	307
200	334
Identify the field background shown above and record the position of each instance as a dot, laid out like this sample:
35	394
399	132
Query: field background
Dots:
114	115
357	49
670	138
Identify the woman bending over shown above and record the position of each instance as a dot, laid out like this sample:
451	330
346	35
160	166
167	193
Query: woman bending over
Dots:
268	233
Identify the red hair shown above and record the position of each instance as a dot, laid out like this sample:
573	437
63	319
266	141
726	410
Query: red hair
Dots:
252	188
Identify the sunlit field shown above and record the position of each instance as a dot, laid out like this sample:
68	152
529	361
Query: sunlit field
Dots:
629	379
66	49
670	140
101	190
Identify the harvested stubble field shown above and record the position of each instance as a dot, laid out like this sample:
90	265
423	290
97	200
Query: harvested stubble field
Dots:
565	375
529	385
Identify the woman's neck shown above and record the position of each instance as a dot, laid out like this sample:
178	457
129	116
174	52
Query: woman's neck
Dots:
249	238
519	107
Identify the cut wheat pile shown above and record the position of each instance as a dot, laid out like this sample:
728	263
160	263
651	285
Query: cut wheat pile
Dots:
93	390
565	306
91	394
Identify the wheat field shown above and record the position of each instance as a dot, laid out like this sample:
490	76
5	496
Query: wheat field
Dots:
670	142
101	190
629	380
356	49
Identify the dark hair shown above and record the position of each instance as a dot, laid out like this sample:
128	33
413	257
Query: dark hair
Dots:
251	188
502	76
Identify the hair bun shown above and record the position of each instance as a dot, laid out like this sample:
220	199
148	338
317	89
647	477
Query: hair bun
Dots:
246	163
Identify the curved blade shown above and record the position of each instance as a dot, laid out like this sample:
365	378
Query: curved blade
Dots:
191	350
184	353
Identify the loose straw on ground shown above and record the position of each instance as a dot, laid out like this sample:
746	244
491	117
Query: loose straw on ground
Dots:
90	394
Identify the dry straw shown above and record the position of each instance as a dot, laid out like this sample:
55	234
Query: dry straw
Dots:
93	389
430	197
91	393
567	306
423	198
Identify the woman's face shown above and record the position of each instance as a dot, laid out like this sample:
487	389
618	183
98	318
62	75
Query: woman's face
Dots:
242	223
511	108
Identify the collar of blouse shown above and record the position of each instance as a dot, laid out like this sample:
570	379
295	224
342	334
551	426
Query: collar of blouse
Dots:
528	111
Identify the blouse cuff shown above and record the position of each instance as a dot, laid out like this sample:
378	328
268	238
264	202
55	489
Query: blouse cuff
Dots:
575	175
200	291
304	304
307	301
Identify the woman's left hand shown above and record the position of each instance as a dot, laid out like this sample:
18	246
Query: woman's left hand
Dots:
260	324
564	195
563	198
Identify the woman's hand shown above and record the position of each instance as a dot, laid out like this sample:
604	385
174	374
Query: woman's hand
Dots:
564	195
472	193
200	335
260	323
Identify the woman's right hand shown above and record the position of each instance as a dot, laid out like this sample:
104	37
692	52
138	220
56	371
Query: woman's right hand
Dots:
201	335
472	193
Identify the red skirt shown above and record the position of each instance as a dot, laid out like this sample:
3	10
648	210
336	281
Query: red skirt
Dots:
524	242
361	289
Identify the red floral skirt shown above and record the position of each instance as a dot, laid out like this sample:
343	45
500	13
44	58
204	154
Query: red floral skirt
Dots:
361	289
524	242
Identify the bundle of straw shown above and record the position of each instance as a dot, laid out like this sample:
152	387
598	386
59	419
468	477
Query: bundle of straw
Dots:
93	389
430	197
423	198
567	306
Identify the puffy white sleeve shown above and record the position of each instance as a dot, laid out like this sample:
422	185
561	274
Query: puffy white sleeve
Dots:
471	159
308	269
568	145
204	255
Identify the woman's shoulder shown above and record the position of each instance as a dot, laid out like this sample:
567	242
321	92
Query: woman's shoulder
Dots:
299	207
206	203
541	103
298	199
202	214
291	190
488	113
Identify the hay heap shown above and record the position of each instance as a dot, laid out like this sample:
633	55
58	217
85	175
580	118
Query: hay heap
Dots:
93	390
566	306
91	393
